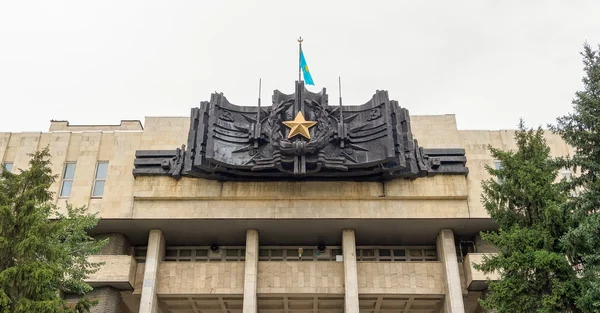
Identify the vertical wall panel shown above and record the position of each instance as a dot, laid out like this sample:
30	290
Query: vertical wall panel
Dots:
86	167
4	138
117	201
25	144
58	146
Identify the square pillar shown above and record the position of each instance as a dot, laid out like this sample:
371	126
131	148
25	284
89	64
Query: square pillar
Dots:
154	255
350	271
447	253
251	272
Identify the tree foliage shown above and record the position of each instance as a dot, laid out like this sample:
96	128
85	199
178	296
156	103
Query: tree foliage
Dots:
527	204
43	253
581	130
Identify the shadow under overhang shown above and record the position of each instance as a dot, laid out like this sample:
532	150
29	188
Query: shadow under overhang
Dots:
181	232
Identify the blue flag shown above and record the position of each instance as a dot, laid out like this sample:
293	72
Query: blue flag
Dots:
307	78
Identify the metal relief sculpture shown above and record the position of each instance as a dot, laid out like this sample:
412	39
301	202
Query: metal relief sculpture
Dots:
301	137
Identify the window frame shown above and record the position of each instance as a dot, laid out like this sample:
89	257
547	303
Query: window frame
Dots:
266	253
96	179
392	257
174	254
566	174
4	166
498	166
63	180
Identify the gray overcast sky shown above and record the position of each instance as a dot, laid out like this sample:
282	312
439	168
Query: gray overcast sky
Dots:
97	62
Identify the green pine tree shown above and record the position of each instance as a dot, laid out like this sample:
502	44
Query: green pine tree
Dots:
581	130
526	203
41	258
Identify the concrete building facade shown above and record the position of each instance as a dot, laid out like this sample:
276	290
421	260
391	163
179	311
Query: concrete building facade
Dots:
204	246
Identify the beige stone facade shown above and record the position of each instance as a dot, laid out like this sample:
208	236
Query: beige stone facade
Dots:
203	246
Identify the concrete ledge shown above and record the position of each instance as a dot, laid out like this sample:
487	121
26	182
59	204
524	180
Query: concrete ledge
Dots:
66	126
441	187
300	209
118	271
477	280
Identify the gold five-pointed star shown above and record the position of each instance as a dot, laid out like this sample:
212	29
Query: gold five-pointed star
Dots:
299	126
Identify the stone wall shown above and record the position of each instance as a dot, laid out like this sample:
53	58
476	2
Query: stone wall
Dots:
401	278
300	277
109	300
484	247
88	144
275	277
476	279
117	244
435	131
450	187
199	278
118	271
278	209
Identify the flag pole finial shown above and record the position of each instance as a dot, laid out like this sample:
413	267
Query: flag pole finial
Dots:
300	40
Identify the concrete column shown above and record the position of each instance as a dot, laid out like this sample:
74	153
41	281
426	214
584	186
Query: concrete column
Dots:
447	254
251	272
350	271
154	255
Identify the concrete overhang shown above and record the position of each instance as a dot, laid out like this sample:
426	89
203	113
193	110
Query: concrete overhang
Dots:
117	271
477	280
293	231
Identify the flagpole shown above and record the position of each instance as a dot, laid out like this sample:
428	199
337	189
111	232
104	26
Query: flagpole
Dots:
299	59
258	120
341	124
299	161
340	90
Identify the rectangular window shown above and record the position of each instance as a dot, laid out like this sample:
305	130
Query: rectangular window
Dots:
67	181
100	179
566	174
498	166
396	254
8	167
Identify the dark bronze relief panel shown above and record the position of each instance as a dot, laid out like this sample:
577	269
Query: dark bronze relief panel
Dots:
301	137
